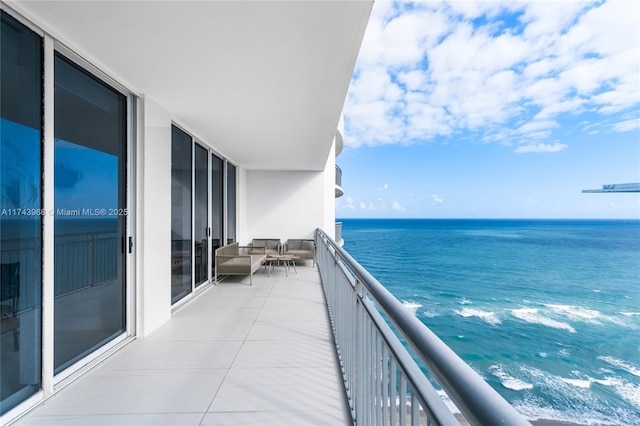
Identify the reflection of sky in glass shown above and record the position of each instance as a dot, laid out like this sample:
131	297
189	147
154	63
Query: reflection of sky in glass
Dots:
85	178
20	172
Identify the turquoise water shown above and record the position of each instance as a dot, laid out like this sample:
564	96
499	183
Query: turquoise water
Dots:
548	312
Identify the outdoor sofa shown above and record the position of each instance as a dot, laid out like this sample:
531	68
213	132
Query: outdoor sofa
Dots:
272	245
234	259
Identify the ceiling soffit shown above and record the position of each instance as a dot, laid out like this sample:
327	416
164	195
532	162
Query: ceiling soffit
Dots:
261	82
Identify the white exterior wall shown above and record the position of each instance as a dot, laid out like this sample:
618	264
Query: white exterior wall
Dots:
329	224
241	211
153	242
285	204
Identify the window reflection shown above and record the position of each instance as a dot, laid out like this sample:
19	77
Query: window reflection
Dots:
201	223
217	213
90	213
180	214
20	219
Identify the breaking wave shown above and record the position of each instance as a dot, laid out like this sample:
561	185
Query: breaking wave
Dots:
509	381
621	364
486	316
533	316
412	306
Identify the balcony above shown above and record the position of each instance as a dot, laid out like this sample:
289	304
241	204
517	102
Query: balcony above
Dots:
616	187
339	137
339	190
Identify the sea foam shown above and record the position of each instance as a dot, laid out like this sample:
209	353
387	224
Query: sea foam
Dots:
412	306
621	364
580	383
577	312
488	317
532	315
508	381
628	391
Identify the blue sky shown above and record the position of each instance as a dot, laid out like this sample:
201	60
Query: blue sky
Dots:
494	109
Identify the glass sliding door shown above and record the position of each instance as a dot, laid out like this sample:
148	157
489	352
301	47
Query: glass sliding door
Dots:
21	217
201	214
217	212
181	170
90	127
231	203
200	182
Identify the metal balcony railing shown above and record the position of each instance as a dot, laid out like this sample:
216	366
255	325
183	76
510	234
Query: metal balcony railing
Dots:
384	384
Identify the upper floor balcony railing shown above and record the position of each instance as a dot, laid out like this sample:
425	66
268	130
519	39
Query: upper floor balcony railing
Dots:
338	234
617	187
339	190
384	383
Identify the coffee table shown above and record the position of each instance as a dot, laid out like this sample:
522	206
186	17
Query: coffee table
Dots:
287	260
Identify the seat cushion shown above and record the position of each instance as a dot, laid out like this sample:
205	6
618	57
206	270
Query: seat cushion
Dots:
303	254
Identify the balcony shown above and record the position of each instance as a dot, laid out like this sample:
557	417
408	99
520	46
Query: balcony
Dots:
616	187
237	354
339	190
291	349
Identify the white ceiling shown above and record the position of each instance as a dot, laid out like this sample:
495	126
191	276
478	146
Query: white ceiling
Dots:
262	82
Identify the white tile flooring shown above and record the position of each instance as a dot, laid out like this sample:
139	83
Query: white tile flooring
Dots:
236	355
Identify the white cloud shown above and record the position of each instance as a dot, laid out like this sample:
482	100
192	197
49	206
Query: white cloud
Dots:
383	187
627	125
536	128
559	107
413	80
437	200
429	70
396	206
541	147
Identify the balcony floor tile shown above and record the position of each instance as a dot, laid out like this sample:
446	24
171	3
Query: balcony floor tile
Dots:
234	355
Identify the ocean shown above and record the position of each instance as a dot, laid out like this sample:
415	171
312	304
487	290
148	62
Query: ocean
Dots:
546	311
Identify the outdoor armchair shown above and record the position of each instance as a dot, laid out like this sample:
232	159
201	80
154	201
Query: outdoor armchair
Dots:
302	248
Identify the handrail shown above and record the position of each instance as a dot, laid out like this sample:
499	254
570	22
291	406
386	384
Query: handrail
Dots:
478	402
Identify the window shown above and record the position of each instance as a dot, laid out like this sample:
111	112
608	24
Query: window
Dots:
201	216
217	205
181	170
21	219
197	191
90	125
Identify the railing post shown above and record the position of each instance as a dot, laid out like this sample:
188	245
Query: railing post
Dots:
359	397
384	383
